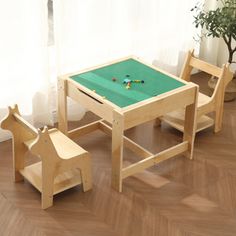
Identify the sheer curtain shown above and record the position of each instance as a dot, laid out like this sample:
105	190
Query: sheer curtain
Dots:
165	32
24	60
86	32
209	48
91	32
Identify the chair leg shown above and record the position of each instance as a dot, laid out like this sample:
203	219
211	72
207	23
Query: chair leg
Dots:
47	191
157	122
218	120
219	111
86	174
18	160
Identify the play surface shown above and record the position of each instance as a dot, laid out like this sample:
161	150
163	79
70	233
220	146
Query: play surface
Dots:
101	80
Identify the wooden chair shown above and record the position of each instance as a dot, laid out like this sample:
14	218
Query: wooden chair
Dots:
63	165
206	104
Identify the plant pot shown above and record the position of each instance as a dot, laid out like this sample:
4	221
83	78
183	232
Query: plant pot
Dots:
230	91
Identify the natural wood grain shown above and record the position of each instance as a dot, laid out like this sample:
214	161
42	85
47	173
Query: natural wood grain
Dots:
60	157
117	150
206	104
178	197
127	117
62	105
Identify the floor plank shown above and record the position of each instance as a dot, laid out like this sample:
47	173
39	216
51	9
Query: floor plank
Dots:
179	197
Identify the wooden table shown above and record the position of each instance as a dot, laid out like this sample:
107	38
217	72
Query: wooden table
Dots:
152	94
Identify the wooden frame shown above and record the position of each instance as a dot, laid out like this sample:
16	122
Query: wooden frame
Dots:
125	118
63	163
206	104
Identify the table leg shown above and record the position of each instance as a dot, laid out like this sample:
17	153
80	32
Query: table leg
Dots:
190	125
62	106
117	150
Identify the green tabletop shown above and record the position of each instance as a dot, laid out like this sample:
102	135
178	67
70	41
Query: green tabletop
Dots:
101	80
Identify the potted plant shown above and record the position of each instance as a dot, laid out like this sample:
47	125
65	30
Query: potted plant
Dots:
219	23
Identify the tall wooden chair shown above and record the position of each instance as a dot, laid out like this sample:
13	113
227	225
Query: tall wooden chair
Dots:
206	104
63	165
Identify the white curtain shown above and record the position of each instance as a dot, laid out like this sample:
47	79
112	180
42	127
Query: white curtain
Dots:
86	33
209	48
165	32
91	32
24	59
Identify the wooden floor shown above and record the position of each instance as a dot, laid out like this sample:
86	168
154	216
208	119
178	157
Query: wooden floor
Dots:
177	198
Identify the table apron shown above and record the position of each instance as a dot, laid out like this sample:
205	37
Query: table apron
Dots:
158	107
97	107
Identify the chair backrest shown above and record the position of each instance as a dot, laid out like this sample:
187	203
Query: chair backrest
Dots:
223	74
15	123
23	131
43	146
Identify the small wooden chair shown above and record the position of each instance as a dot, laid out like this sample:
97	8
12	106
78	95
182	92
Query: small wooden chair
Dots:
206	104
63	165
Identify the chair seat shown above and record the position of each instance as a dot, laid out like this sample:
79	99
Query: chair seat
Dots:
176	120
62	182
203	99
64	146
